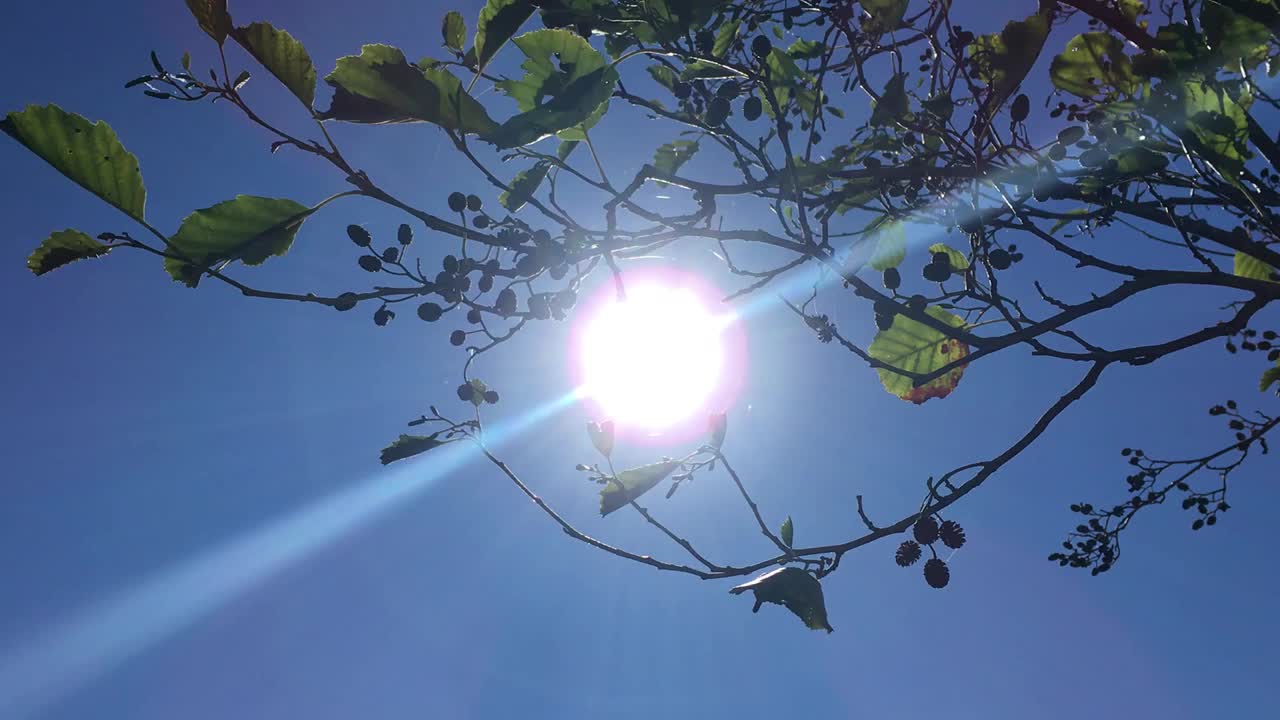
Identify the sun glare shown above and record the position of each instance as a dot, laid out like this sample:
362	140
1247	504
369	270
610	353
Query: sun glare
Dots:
655	359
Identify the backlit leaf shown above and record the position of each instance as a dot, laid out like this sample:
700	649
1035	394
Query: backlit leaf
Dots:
601	435
212	17
62	247
1094	63
1248	266
499	20
248	228
885	15
89	154
406	446
379	86
787	531
915	347
454	30
959	261
1003	59
725	36
565	89
893	101
1232	36
282	56
794	589
634	483
671	156
888	246
1269	377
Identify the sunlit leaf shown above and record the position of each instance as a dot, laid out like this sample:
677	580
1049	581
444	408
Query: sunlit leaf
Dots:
248	228
1094	63
565	89
787	532
282	56
806	49
959	261
914	347
89	154
379	86
889	246
1269	377
794	589
1003	59
499	20
62	247
1234	37
1213	124
885	15
406	446
1248	266
212	17
631	484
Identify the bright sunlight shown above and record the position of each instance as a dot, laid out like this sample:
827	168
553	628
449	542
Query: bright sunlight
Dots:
655	359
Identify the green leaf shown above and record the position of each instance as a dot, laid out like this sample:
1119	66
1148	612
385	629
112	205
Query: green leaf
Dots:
1248	266
454	30
663	75
406	446
1063	222
959	261
1214	125
915	347
1003	59
499	20
379	86
787	532
806	49
889	246
1092	63
249	229
1139	161
634	483
527	182
725	36
893	101
62	247
282	56
212	17
89	154
671	156
794	589
1269	377
1234	37
566	86
885	15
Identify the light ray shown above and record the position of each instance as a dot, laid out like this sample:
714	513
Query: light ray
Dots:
89	644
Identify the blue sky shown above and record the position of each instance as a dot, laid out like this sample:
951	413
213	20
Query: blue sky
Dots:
194	524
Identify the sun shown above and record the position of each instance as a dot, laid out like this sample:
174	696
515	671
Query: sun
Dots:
658	357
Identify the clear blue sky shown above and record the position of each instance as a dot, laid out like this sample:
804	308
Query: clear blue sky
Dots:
171	544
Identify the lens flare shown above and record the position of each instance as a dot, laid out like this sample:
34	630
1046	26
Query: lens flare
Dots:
660	358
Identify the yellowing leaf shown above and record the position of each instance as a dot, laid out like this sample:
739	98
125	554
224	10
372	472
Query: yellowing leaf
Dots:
917	348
